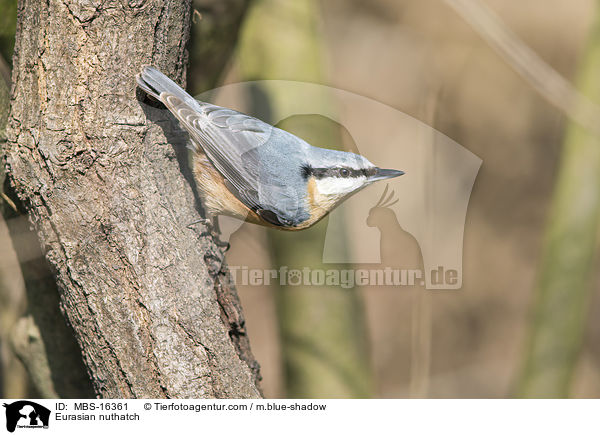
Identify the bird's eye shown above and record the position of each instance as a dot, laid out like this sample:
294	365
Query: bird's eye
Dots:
344	172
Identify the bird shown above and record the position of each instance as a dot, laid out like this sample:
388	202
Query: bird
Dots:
250	170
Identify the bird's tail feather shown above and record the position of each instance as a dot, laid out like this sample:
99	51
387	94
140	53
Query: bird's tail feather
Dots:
154	83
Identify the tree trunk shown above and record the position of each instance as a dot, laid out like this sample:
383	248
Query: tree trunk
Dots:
141	282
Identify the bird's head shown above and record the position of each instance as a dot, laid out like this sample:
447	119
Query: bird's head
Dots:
333	176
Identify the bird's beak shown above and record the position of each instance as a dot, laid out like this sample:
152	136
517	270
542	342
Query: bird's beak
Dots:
383	174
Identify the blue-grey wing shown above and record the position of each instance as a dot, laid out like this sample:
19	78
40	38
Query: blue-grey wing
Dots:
245	151
228	138
252	156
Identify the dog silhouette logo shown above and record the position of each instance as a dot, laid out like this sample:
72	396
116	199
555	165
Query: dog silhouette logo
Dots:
26	414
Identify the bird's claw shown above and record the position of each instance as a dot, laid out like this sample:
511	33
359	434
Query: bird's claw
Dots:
206	222
212	229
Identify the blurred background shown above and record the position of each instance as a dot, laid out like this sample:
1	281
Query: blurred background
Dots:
526	322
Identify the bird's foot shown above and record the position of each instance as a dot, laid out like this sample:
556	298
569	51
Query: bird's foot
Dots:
222	244
212	229
208	223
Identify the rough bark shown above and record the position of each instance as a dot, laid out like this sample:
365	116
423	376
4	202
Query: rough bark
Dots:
143	286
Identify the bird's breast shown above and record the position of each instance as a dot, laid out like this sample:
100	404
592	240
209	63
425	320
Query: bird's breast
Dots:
317	204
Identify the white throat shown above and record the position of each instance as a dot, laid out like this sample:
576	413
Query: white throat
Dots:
337	186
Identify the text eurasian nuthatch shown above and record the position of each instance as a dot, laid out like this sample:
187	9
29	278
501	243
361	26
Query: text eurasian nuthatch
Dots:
248	169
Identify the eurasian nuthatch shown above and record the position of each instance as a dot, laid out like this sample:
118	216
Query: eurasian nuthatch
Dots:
248	169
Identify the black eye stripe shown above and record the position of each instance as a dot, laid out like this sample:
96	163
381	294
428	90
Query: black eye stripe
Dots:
318	173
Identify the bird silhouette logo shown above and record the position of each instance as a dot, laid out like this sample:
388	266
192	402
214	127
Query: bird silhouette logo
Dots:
394	238
381	206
